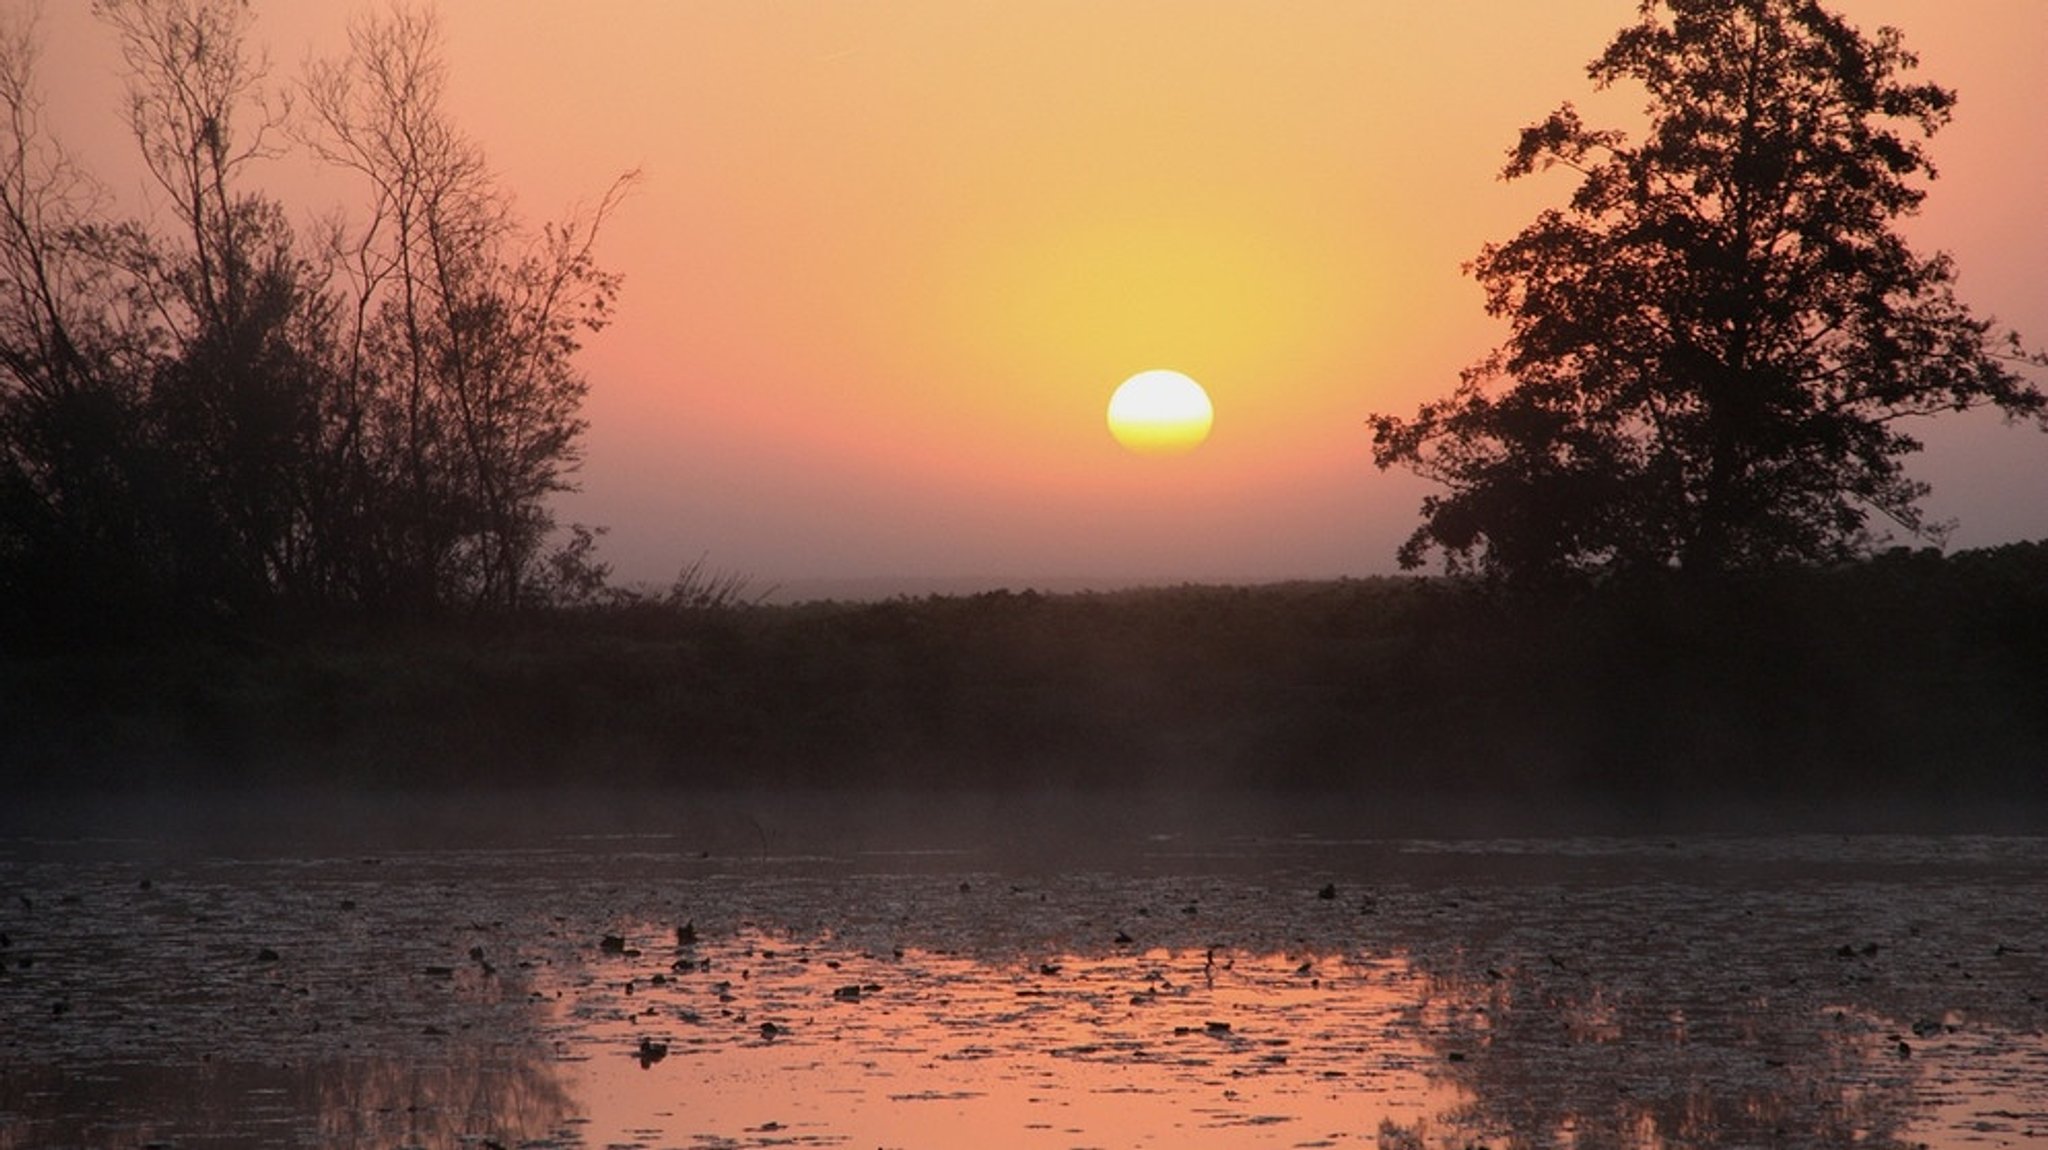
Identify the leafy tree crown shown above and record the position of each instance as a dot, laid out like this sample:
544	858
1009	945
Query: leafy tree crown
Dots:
1717	346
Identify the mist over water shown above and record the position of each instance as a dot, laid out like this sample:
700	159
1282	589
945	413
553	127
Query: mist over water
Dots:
1394	864
1024	969
352	796
1020	825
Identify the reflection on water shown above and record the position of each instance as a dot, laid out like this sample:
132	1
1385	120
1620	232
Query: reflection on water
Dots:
1610	993
367	1101
817	1044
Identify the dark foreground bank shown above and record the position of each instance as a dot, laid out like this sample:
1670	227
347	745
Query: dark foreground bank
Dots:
1912	679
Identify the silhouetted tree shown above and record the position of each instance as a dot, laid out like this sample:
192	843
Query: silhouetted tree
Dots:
204	417
461	400
1714	347
235	400
77	533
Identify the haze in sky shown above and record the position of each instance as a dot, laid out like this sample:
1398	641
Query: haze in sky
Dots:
889	260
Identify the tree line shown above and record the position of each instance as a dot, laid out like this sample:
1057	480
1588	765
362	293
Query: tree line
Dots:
213	414
1717	348
1911	677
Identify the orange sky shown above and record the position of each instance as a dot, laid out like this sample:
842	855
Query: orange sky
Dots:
890	258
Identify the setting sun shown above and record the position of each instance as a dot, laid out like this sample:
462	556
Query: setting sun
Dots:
635	471
1160	413
887	262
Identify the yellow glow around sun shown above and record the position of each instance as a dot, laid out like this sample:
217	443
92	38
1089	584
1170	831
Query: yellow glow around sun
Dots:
1160	413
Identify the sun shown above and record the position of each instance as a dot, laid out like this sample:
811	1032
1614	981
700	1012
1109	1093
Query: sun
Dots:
1160	413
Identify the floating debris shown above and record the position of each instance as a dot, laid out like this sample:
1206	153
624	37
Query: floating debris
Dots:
988	1008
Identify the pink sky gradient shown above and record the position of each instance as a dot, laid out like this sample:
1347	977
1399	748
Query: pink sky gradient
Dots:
890	259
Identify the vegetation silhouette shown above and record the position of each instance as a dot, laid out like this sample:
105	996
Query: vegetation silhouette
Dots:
1716	347
1911	678
208	419
275	511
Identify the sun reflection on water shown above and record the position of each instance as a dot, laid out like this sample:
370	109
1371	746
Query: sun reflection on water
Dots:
584	997
815	1044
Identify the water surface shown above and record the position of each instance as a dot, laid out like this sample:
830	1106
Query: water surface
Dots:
1152	983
